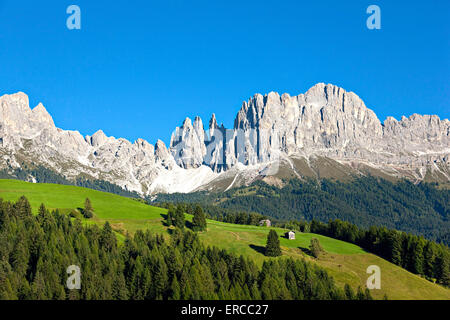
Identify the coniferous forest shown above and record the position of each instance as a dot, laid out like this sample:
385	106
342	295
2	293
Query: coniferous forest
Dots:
36	250
413	253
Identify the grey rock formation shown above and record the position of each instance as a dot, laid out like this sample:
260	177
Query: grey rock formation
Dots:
325	132
188	144
325	121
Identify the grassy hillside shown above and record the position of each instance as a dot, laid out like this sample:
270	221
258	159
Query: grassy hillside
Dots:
346	262
366	201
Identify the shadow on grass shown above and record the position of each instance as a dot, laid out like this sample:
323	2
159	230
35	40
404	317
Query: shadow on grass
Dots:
85	214
307	251
259	249
164	221
189	225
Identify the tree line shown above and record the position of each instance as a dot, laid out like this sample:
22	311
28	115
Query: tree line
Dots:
217	213
175	217
422	209
35	251
413	253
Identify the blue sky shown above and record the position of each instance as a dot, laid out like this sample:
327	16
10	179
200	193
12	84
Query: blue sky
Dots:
138	68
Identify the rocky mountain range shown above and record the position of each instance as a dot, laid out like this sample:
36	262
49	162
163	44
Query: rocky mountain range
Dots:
325	133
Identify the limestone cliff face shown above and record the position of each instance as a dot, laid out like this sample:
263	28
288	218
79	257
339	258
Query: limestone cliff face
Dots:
326	121
188	144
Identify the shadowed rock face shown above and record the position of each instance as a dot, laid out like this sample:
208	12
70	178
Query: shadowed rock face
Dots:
326	121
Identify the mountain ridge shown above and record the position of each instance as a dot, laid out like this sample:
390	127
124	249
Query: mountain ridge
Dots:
273	135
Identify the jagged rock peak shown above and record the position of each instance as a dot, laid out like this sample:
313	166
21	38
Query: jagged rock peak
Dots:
187	123
147	148
141	142
41	114
213	122
272	97
98	138
160	146
187	144
18	96
18	119
326	121
40	109
14	103
198	123
319	97
163	155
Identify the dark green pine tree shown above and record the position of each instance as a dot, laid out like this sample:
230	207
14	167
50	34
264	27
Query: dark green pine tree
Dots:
273	245
120	291
23	207
20	256
442	272
179	217
170	215
395	243
42	210
108	240
429	257
360	294
417	256
160	279
38	287
174	289
349	293
367	294
199	220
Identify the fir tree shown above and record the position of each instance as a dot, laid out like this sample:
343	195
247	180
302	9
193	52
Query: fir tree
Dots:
174	289
273	245
443	268
108	240
179	217
170	215
23	207
429	255
42	210
417	256
349	293
199	219
88	211
395	247
360	295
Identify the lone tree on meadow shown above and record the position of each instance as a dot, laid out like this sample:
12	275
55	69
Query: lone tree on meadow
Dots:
315	247
273	245
199	220
88	211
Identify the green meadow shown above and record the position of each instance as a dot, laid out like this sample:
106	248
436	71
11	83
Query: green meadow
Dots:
346	262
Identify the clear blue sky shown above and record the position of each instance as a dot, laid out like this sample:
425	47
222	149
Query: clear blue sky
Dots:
138	68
